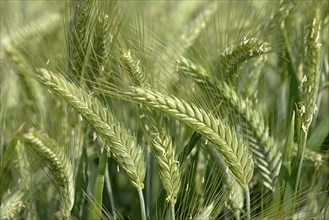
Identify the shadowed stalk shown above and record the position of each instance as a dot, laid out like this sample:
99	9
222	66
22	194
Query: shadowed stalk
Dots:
96	209
110	192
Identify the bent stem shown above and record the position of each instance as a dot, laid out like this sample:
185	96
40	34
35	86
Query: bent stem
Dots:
248	203
142	203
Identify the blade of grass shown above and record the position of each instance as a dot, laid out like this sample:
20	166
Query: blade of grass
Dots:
285	191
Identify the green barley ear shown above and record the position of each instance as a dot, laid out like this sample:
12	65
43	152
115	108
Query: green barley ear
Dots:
101	45
169	168
309	84
12	205
206	213
235	200
26	178
235	55
162	146
263	146
133	67
279	17
23	68
193	30
60	168
123	145
197	72
79	37
234	153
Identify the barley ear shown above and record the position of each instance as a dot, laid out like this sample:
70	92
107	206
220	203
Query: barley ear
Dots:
263	146
123	145
12	205
162	146
168	165
134	68
26	179
60	168
193	30
101	44
237	54
309	85
79	37
234	153
206	213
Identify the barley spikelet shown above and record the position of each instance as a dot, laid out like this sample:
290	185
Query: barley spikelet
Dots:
267	156
169	169
234	191
59	166
162	146
311	75
263	147
279	17
235	155
164	153
237	54
197	72
206	213
100	46
12	205
312	156
193	30
22	67
134	68
78	37
122	144
26	178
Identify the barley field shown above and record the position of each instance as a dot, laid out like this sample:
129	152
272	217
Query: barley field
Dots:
164	110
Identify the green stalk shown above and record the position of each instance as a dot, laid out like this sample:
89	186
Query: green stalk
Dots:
96	209
110	192
172	206
142	204
248	203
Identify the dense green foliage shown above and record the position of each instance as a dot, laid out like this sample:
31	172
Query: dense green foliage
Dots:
164	110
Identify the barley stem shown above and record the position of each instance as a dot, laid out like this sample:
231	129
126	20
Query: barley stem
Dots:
142	204
96	209
248	203
172	206
110	192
